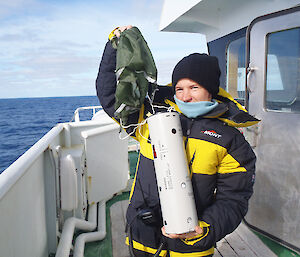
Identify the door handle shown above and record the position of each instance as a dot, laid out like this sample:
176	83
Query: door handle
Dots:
250	70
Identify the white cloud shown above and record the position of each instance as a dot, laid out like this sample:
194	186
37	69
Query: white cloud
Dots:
55	48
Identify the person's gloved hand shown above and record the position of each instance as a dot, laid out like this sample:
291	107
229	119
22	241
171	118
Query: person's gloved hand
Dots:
119	30
198	231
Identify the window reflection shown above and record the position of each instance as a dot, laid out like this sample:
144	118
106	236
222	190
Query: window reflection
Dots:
283	71
236	69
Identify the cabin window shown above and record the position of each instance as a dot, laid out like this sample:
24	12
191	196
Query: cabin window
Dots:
236	69
283	71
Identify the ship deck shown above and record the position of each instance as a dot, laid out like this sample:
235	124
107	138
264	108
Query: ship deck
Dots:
241	243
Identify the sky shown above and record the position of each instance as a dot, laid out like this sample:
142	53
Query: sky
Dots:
54	47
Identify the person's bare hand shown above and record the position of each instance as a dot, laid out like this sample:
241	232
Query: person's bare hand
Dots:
198	231
118	31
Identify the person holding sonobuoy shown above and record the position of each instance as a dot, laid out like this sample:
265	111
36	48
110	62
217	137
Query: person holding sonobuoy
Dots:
220	163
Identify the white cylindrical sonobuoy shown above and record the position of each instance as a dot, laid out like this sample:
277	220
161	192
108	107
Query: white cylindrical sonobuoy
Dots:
172	173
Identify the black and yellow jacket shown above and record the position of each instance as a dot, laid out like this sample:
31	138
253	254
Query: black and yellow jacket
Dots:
221	162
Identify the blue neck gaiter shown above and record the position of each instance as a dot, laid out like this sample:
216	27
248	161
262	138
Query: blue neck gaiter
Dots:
195	109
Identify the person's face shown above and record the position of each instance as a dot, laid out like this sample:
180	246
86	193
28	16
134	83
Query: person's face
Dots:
188	90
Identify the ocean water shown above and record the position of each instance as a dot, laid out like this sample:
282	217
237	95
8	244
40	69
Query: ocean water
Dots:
23	121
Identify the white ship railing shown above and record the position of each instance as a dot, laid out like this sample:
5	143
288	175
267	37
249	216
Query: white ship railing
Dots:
76	117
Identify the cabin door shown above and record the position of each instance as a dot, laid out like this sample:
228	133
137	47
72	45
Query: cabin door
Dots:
274	97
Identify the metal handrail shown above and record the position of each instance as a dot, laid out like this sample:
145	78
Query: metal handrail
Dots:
76	117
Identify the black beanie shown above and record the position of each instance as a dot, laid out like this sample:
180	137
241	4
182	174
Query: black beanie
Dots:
201	68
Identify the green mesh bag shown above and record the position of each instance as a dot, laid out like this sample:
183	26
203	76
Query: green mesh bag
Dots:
135	68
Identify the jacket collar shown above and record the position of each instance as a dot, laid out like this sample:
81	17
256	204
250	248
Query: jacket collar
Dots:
220	109
236	115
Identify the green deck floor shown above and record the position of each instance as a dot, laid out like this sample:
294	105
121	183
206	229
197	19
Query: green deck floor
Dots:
278	249
133	159
104	247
